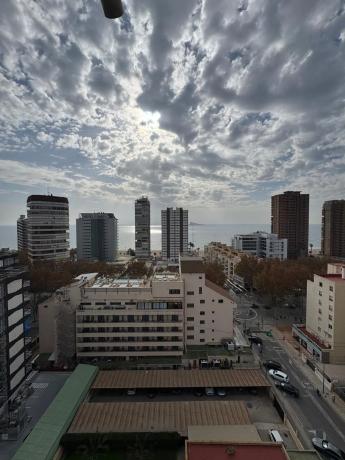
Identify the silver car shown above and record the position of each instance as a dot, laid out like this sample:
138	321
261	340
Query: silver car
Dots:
278	375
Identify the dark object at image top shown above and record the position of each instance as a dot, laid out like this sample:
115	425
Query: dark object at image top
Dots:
112	9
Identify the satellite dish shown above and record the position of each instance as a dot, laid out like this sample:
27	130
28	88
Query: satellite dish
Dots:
112	8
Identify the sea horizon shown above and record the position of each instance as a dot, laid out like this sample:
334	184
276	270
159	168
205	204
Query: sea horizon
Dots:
199	234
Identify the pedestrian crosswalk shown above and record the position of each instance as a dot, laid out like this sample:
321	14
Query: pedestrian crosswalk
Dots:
39	385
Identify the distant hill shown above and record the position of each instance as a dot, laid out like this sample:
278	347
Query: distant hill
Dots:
195	223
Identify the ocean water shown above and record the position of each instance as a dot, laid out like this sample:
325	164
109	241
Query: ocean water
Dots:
198	234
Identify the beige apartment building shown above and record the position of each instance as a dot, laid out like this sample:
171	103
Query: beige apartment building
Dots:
223	254
323	335
124	319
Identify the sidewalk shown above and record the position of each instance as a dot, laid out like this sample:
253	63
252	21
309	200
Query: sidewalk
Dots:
333	400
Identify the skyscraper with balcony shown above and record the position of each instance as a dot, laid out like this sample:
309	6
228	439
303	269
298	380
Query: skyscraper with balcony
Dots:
142	228
290	219
97	237
174	233
48	227
333	229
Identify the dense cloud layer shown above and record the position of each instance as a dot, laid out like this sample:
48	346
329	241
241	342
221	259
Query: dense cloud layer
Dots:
193	102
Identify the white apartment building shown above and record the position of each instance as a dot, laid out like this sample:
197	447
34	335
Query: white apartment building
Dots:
48	227
142	228
261	244
174	233
124	319
97	237
323	335
226	256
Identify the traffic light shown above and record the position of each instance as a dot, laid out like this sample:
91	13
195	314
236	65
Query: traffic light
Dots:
112	8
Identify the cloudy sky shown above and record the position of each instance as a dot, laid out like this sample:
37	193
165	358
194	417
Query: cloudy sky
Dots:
214	105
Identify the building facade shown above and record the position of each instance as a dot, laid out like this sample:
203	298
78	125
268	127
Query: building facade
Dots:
15	312
323	334
22	233
224	255
333	229
97	237
262	245
174	233
142	228
130	319
290	220
48	227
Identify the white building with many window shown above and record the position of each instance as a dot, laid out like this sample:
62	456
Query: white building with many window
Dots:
129	319
48	227
323	335
261	244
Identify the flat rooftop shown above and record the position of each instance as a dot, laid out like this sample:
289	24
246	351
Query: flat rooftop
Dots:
195	378
105	282
157	416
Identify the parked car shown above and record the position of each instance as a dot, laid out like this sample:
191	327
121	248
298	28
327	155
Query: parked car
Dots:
288	388
275	436
209	392
278	375
270	364
198	392
255	339
254	305
325	447
221	392
131	391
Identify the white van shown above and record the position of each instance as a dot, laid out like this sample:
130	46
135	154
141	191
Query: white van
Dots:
275	436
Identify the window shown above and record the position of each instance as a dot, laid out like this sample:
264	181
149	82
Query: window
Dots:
330	326
320	284
320	311
190	337
331	298
319	329
202	321
330	308
331	288
320	293
202	300
190	292
212	330
220	300
213	321
200	277
174	291
190	328
202	340
330	317
213	313
202	331
190	318
200	290
190	305
202	313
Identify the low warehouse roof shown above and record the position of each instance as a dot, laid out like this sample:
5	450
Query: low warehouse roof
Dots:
196	378
157	416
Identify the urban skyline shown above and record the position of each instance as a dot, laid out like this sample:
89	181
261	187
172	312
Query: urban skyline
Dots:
227	133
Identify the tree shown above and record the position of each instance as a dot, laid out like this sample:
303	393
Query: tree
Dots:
214	272
248	268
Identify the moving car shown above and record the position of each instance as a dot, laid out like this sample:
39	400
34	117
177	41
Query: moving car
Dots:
288	388
209	392
255	339
198	392
278	375
325	447
131	391
270	364
221	392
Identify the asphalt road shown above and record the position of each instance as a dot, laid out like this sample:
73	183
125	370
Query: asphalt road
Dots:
313	414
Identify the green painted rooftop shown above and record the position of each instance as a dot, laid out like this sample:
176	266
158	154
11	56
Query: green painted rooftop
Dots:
44	439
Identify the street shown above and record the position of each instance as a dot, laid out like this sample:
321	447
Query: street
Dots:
315	415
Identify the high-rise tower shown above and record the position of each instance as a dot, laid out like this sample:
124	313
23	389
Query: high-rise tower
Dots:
333	228
290	219
142	228
174	233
